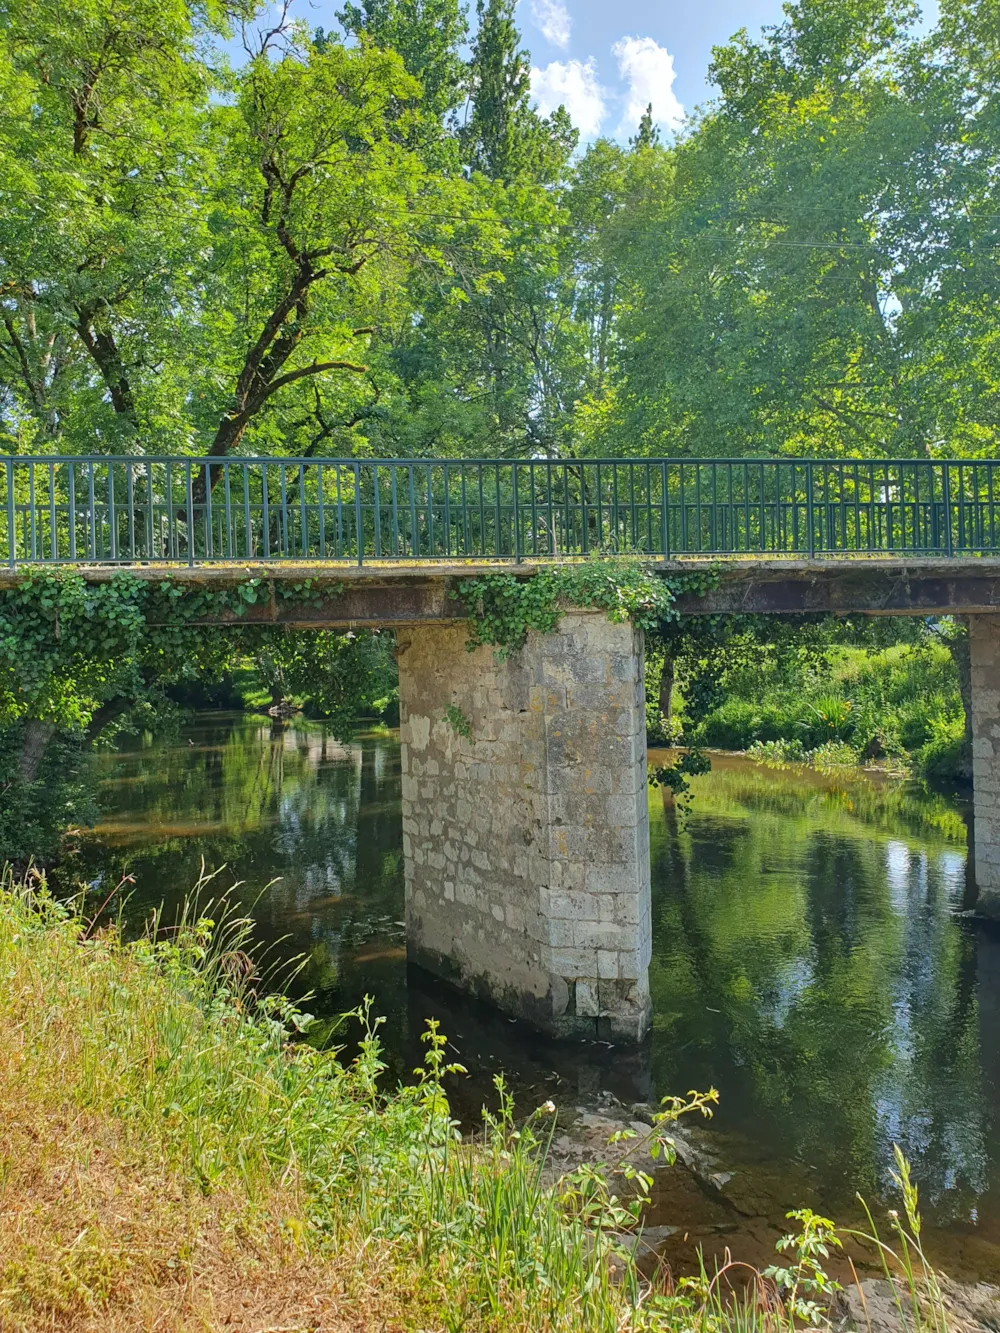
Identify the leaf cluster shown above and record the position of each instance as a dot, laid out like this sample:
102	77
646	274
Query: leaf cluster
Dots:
504	608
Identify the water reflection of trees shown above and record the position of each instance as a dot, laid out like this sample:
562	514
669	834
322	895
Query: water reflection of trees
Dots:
812	967
307	831
805	956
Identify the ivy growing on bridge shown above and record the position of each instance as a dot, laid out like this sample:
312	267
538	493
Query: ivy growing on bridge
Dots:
504	608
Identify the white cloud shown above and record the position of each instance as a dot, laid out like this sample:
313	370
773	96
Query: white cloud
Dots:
551	18
648	69
572	84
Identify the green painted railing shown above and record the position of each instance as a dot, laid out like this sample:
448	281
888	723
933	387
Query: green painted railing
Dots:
127	510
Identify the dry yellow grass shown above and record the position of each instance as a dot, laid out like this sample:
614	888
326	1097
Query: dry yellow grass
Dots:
101	1233
97	1236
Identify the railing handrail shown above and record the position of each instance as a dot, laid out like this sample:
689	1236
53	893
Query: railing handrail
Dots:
639	460
153	508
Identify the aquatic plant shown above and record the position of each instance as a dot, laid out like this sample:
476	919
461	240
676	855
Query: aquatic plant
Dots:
777	753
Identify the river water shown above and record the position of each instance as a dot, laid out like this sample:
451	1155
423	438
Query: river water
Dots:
809	958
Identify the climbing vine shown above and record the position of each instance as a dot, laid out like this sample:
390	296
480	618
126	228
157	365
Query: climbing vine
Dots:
503	608
458	722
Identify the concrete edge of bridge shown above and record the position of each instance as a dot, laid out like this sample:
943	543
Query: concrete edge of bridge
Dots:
729	566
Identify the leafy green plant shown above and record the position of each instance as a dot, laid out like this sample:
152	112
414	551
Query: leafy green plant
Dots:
457	720
504	608
777	753
833	714
692	763
943	753
833	754
588	1192
805	1279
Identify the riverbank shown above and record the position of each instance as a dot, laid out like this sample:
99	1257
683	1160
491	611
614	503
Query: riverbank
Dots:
172	1157
899	706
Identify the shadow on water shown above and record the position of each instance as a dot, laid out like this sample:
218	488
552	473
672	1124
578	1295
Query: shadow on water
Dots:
808	959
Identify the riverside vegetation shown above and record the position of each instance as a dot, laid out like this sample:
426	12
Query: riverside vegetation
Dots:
831	692
173	1150
367	240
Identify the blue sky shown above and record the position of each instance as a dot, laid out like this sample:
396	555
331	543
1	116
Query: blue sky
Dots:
605	60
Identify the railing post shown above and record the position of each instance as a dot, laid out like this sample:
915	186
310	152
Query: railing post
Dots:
947	509
357	514
664	515
517	518
11	522
809	511
190	513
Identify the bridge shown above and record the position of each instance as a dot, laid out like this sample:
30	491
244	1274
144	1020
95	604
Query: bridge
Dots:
526	844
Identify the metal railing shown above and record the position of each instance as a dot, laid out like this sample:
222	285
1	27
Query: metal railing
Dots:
128	510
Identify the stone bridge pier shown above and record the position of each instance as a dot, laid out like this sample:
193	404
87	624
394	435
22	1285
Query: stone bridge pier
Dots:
526	842
984	653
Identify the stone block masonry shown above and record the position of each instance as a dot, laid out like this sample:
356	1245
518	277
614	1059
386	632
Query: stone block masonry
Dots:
984	652
526	845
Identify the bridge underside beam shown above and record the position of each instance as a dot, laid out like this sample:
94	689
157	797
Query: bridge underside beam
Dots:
403	594
851	586
526	841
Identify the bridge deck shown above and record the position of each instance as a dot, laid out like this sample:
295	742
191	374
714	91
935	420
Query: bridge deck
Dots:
393	594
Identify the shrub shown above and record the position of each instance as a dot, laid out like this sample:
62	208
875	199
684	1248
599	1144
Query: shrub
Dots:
833	754
773	754
943	757
900	702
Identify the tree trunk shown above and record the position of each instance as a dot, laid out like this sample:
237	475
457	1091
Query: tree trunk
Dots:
34	743
666	691
102	347
108	711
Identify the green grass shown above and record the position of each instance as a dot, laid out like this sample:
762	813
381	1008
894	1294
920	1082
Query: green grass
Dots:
898	706
170	1153
204	1087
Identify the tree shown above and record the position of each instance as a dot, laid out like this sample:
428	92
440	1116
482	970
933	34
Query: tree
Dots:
427	35
187	255
825	250
310	226
648	133
503	136
100	155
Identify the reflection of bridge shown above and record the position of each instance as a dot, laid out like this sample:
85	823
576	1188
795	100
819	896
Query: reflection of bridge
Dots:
526	843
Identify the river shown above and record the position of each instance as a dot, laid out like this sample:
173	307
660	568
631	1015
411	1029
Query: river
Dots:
810	959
